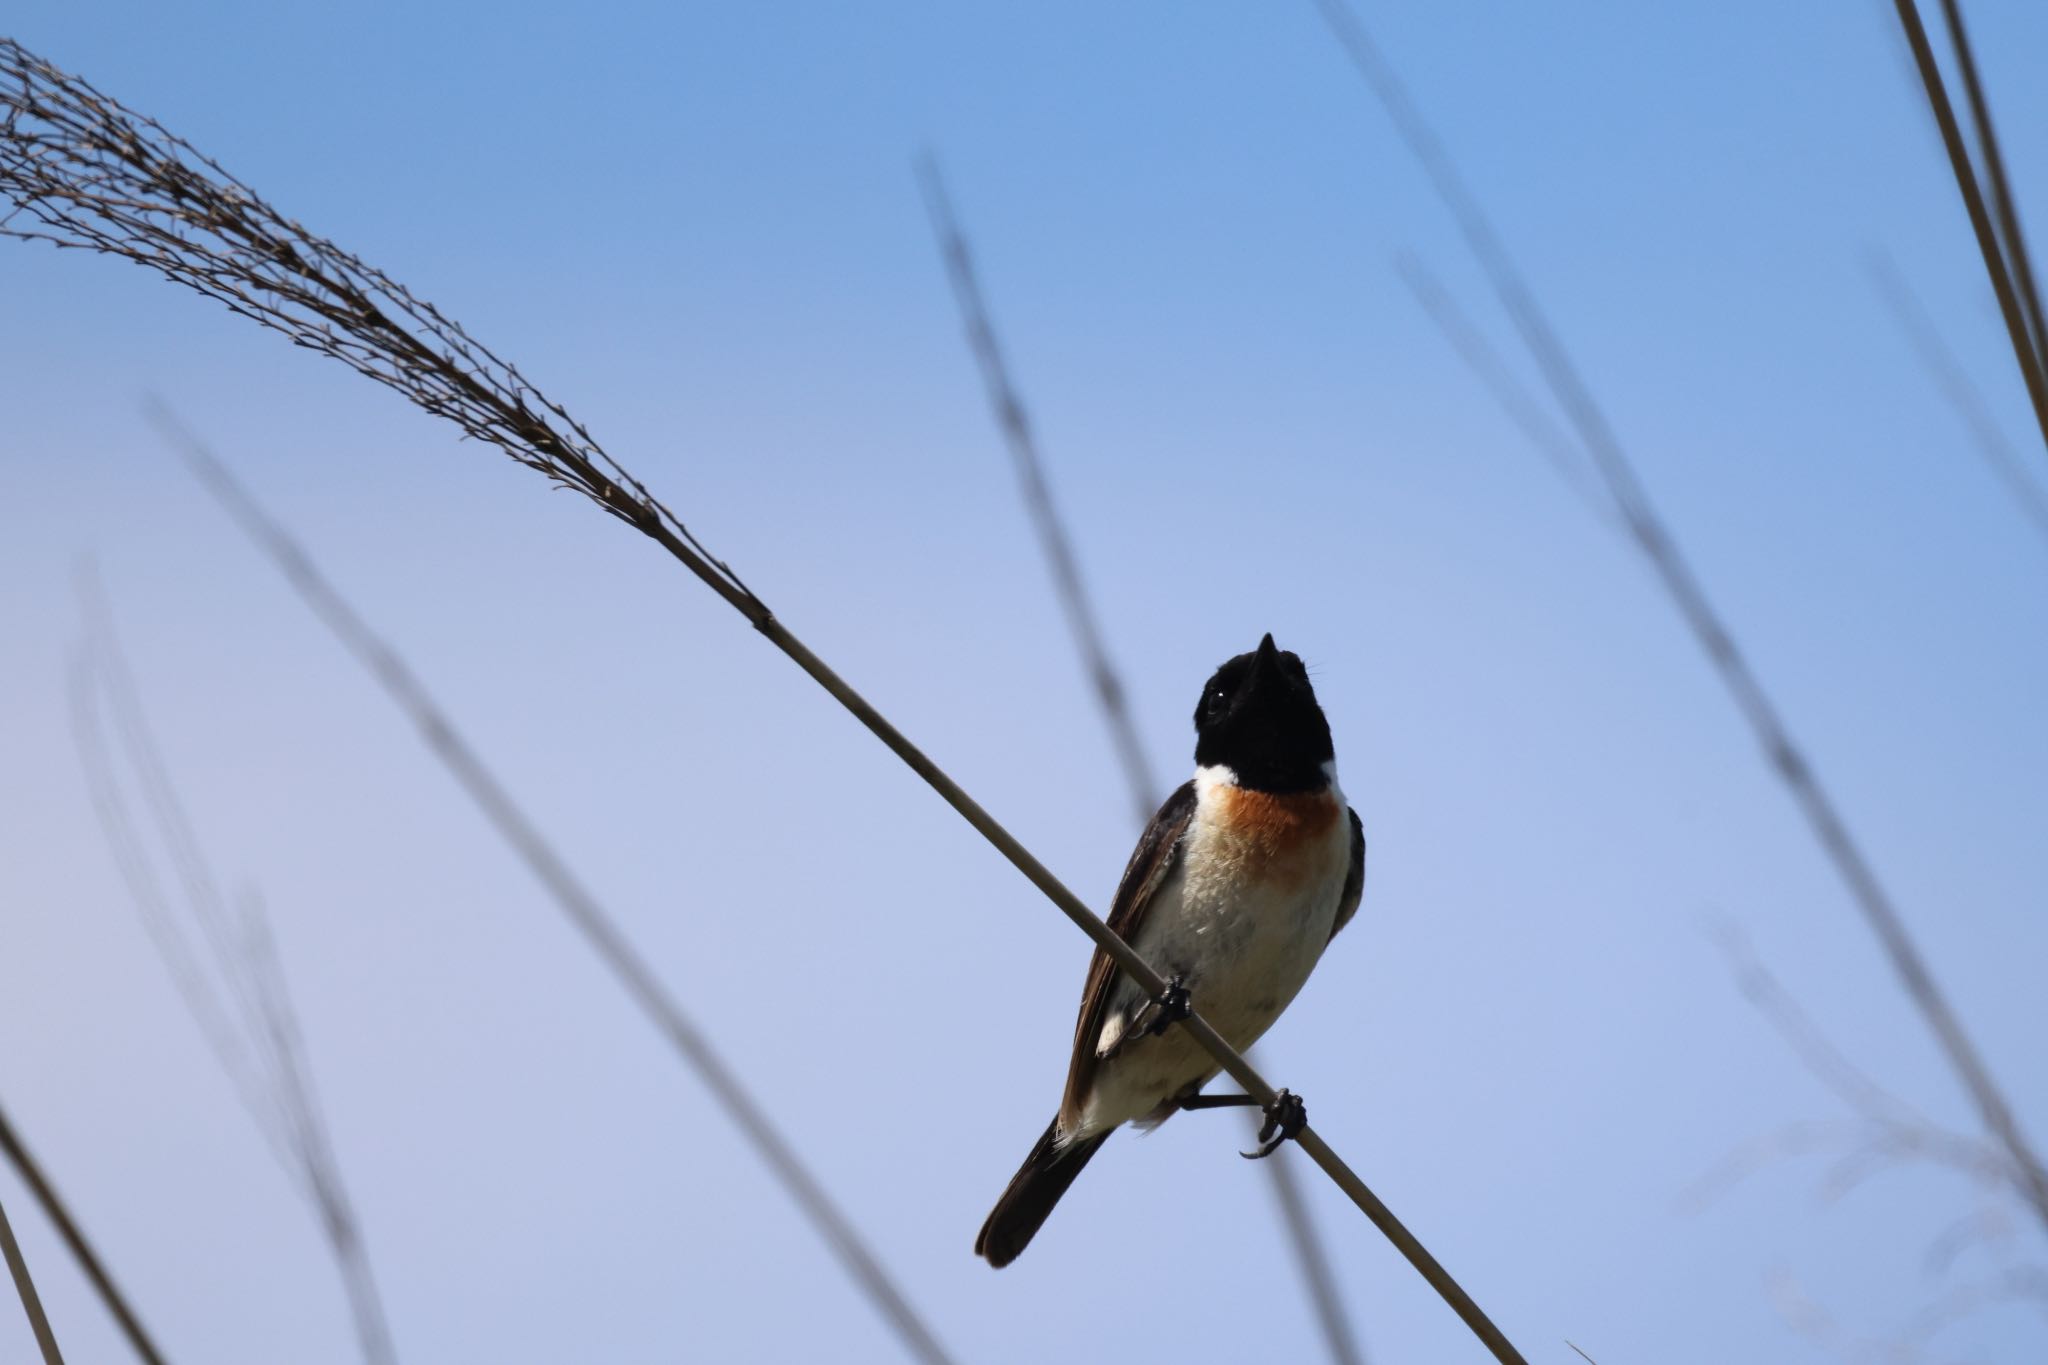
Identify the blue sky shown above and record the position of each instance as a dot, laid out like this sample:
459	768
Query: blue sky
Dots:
697	227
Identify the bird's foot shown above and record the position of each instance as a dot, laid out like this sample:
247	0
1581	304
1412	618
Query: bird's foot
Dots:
1286	1116
1162	1011
1170	1007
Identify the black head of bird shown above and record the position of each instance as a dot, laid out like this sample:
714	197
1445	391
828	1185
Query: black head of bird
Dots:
1258	717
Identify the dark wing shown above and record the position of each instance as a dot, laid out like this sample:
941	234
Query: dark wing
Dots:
1354	881
1153	861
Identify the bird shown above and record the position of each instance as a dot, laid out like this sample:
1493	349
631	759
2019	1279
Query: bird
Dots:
1239	882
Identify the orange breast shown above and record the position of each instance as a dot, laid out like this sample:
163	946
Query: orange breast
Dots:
1282	835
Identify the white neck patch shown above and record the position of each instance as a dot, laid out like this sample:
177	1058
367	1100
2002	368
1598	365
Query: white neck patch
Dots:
1214	775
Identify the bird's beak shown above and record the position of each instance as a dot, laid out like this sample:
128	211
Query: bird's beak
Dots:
1265	664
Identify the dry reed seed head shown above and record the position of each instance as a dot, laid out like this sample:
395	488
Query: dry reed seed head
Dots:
89	174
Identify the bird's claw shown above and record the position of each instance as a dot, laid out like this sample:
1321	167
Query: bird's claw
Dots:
1286	1116
1170	1006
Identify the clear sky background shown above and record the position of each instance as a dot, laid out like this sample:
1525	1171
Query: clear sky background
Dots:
697	227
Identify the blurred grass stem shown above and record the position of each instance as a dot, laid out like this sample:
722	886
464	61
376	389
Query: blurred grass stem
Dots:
1071	587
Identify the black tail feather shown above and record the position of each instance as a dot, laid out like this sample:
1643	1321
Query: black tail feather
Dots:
1036	1187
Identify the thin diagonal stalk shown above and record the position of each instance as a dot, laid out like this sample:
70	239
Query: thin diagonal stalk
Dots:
1015	423
59	1213
1521	407
2011	239
1892	1127
275	1075
188	972
315	1140
1855	1087
91	175
218	997
31	1302
2009	307
2015	1284
1648	533
1313	1259
1958	388
214	994
1072	589
606	937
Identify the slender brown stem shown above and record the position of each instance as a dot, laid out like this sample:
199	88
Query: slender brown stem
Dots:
2006	210
90	174
38	1182
31	1302
2009	308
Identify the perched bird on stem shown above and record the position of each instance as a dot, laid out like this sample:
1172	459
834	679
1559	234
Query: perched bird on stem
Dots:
1238	884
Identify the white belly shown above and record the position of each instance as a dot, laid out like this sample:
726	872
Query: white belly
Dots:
1242	928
